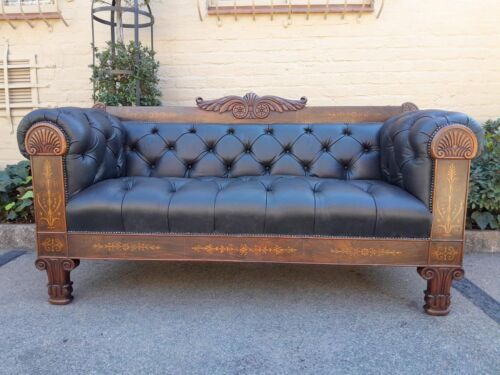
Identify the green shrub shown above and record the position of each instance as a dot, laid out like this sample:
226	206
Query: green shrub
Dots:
116	72
16	193
484	188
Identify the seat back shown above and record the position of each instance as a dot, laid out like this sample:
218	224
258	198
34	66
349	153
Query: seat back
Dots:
326	150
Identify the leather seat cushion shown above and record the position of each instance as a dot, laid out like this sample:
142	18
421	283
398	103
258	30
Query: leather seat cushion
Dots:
286	205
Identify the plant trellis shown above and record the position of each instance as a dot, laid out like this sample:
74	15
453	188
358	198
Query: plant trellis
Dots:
18	83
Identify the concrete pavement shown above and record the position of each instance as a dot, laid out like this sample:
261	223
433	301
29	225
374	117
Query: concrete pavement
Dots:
181	318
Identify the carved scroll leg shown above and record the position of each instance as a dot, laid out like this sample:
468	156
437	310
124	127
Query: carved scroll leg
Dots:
58	273
437	294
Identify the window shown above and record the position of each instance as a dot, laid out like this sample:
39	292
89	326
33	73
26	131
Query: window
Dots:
221	7
26	2
19	10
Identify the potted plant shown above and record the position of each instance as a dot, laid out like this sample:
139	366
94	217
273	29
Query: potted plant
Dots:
125	73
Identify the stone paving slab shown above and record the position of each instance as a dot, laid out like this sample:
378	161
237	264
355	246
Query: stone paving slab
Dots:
192	318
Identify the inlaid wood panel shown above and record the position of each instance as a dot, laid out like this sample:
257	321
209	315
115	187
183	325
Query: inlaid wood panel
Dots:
52	244
446	253
306	115
249	249
450	199
48	191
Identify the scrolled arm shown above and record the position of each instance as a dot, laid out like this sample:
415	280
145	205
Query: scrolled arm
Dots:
410	143
90	141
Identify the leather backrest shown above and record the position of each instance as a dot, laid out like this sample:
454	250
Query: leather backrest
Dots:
344	151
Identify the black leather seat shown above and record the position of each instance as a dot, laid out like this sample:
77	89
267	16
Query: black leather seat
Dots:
288	205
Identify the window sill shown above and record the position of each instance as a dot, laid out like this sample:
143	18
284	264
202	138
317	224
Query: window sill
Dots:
294	9
29	16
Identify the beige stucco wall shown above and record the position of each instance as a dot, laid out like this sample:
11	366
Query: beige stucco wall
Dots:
438	54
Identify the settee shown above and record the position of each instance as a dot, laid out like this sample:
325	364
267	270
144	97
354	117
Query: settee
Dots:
252	179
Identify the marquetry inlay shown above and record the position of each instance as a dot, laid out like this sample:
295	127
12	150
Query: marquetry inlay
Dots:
48	200
125	246
365	251
449	213
445	253
52	245
244	249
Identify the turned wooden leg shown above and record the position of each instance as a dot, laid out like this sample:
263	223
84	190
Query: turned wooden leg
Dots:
60	285
437	294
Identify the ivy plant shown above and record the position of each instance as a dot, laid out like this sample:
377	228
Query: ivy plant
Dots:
116	73
484	188
16	193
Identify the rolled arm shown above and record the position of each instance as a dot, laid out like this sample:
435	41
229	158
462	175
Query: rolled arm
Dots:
411	141
90	141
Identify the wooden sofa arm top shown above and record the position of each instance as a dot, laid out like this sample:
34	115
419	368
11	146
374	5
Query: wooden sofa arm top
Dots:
45	139
454	142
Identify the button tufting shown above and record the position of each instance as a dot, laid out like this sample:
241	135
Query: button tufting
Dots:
347	131
230	131
192	130
154	131
308	130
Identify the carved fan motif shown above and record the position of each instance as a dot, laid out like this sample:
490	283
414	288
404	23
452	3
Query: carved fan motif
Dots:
454	142
45	140
251	105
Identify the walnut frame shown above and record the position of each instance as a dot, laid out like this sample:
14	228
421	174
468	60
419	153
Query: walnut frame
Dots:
439	258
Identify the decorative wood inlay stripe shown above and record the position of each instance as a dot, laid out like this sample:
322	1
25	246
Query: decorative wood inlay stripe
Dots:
244	249
366	252
125	246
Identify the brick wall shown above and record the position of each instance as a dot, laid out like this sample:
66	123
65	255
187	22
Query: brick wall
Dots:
438	54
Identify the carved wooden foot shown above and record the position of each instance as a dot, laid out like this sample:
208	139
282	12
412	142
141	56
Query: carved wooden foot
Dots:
439	280
60	285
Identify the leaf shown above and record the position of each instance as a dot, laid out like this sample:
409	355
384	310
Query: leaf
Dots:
483	219
9	206
23	205
27	195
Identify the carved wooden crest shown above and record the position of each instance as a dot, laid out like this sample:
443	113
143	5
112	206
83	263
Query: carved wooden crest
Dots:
454	142
409	107
45	139
251	106
100	106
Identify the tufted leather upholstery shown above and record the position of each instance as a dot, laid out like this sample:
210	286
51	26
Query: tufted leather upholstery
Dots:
186	150
288	205
405	139
316	179
95	141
